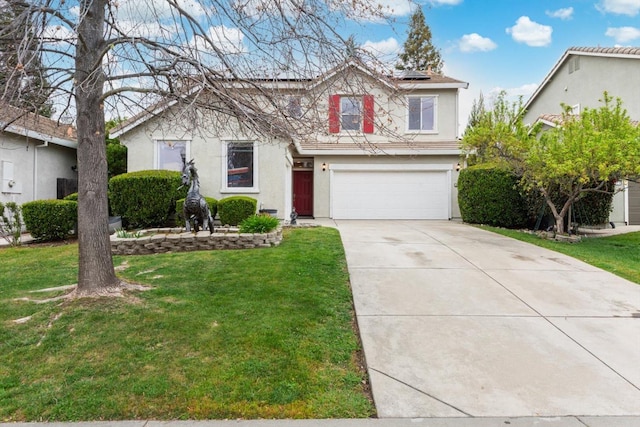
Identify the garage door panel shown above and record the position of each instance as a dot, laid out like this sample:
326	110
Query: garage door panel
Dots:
390	195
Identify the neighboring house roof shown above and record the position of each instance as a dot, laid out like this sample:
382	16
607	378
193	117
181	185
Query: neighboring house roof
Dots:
553	120
31	125
605	52
405	81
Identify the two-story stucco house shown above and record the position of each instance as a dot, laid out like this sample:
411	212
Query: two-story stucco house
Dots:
578	80
381	147
37	157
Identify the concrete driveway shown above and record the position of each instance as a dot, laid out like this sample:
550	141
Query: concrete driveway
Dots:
459	322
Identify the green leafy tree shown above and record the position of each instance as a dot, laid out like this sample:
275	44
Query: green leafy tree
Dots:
497	135
419	53
581	155
22	75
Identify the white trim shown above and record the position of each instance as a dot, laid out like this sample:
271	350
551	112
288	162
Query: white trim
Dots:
435	116
223	169
40	136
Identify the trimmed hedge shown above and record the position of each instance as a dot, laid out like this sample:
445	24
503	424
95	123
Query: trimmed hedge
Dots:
488	194
213	207
72	196
235	209
145	198
50	219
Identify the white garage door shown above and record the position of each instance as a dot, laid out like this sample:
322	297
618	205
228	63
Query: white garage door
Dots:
390	194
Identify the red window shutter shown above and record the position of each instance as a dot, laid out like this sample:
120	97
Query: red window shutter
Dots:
334	114
367	125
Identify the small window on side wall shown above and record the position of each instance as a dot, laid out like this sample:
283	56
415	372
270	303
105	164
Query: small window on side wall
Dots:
171	155
421	114
240	165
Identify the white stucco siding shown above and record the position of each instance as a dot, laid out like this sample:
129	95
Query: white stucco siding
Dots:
206	147
34	168
390	111
585	86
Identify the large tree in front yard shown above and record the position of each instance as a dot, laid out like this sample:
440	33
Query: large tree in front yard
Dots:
122	56
582	154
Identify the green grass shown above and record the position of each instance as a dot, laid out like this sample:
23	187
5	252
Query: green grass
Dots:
222	334
619	254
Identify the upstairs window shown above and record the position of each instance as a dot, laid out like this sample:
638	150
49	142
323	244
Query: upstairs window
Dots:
421	113
351	114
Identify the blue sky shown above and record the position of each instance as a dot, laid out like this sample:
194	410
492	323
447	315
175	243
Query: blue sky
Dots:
507	44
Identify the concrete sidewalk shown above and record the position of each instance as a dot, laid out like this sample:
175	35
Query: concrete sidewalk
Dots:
460	322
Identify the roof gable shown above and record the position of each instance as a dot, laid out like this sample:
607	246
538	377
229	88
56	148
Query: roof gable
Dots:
27	124
603	52
408	81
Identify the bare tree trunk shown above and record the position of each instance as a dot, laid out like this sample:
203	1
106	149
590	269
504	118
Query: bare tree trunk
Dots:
96	272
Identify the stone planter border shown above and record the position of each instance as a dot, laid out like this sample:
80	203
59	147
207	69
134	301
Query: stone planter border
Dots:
162	240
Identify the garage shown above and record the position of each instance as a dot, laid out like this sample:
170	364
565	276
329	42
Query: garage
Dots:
634	203
390	192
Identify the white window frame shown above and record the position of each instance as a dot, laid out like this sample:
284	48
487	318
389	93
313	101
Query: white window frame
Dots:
225	150
156	149
435	115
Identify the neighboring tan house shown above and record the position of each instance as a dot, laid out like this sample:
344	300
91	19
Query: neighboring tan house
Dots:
579	80
383	147
37	157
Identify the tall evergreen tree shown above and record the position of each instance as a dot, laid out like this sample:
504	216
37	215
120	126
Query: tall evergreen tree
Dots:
418	52
22	76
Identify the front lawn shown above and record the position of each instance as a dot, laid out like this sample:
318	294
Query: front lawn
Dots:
619	254
264	333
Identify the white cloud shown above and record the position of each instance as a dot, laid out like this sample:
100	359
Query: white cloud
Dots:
475	42
619	7
524	91
389	46
153	10
225	39
530	33
623	34
394	7
564	13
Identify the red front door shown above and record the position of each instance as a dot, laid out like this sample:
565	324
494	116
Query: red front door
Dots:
303	192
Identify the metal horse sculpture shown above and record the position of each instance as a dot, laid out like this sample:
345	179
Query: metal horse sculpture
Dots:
196	210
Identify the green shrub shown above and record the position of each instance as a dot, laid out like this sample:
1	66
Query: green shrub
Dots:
116	159
262	223
145	198
213	207
72	196
235	209
490	195
50	219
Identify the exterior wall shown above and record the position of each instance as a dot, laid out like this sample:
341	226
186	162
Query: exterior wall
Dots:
205	146
390	112
585	86
35	168
321	196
